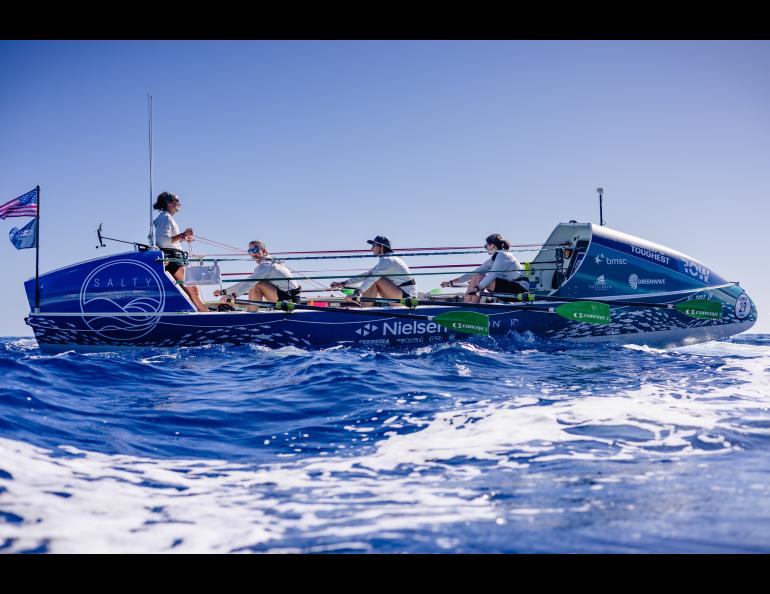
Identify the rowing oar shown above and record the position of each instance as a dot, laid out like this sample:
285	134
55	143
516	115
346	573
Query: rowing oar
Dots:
590	312
467	322
704	309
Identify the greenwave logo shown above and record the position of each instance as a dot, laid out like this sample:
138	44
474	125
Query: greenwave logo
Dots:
634	281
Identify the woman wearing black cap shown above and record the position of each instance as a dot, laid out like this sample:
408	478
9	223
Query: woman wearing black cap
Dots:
502	273
390	279
169	240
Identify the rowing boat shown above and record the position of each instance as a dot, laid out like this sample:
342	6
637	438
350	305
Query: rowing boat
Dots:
605	286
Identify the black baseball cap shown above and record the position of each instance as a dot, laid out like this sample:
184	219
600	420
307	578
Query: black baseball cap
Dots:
380	240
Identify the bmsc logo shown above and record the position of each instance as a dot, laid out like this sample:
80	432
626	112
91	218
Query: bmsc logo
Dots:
118	300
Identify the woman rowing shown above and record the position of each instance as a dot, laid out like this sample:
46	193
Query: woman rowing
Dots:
270	281
501	273
169	240
389	279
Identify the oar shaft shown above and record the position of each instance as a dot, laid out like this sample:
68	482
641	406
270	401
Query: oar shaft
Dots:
363	311
461	304
466	322
528	297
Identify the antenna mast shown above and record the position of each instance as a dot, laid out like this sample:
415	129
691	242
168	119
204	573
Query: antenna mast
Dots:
600	191
151	234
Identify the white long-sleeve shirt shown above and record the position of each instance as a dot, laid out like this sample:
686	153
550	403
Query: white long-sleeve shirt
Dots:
165	229
267	269
502	264
388	265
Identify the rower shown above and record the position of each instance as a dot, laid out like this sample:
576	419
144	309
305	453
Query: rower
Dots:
501	273
169	240
280	287
389	279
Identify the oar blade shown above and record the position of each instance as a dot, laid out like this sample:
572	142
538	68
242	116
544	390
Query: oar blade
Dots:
703	309
468	322
590	312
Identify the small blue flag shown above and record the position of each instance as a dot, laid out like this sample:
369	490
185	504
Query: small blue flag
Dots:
26	237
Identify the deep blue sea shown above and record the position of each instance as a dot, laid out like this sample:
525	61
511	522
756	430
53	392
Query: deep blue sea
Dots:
474	447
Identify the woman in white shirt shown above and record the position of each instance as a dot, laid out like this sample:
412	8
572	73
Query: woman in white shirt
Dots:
169	240
391	278
279	287
501	273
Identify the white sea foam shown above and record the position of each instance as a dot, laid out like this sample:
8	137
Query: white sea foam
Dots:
207	506
135	504
22	344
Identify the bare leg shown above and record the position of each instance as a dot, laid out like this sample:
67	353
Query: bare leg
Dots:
192	291
254	295
262	291
370	292
269	291
382	288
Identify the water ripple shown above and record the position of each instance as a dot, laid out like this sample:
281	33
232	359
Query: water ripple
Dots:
478	446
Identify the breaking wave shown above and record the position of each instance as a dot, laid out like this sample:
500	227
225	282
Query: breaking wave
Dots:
513	446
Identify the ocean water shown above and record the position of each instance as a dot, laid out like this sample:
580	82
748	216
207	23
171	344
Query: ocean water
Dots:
474	447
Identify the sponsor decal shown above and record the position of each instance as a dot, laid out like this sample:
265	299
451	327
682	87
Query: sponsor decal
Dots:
366	329
126	287
634	281
602	259
704	309
400	328
742	306
585	311
696	270
600	284
375	341
653	255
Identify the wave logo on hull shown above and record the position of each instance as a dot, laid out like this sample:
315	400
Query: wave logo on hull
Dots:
118	300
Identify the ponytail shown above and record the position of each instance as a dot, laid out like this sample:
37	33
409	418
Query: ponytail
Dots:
498	242
162	201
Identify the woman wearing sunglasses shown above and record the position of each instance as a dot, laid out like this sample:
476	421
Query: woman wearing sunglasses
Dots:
169	240
279	287
501	273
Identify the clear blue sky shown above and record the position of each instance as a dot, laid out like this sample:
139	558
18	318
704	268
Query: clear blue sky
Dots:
313	145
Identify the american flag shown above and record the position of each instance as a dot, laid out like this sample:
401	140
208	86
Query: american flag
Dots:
23	206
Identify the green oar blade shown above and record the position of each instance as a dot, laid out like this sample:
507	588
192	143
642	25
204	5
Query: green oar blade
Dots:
468	322
704	309
590	312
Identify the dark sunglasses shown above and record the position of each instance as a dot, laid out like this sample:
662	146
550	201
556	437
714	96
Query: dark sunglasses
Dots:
254	250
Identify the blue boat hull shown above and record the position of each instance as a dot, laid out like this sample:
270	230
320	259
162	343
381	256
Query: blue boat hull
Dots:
127	301
311	329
